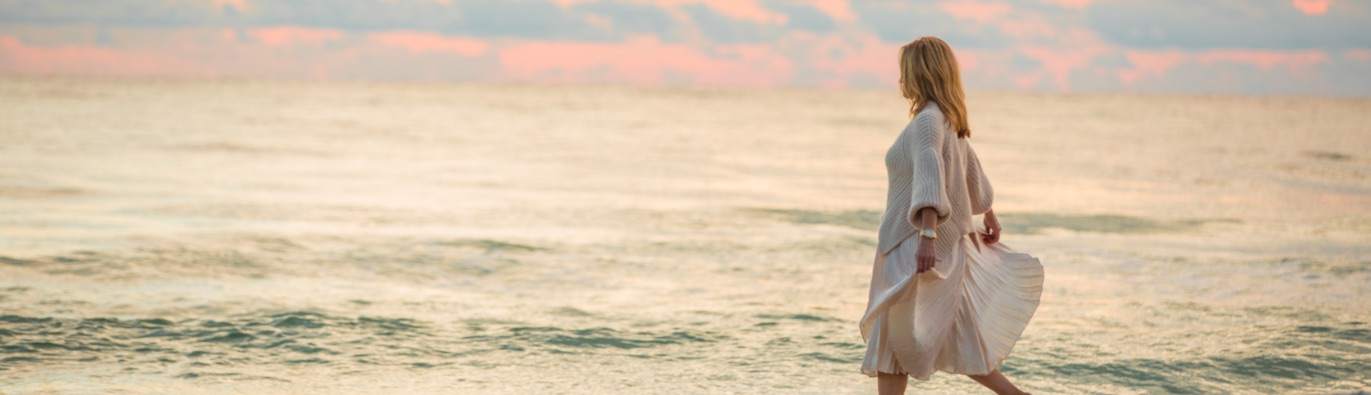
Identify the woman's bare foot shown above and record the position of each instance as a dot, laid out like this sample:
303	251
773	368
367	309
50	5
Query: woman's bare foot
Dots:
997	382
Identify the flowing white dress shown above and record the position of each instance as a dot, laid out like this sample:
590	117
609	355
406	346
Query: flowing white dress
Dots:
965	314
962	317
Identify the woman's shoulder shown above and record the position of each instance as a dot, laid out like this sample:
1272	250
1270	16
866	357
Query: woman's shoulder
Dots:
930	117
931	109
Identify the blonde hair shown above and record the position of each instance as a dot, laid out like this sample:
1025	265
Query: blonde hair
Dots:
929	73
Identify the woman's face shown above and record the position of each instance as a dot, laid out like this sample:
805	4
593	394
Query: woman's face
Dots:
905	90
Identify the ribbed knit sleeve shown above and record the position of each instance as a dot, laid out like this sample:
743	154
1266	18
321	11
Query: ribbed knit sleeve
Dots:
977	184
926	150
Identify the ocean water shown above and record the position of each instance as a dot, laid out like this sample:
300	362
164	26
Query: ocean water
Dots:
173	237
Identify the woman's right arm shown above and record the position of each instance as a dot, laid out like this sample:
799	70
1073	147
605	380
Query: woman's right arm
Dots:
930	202
927	256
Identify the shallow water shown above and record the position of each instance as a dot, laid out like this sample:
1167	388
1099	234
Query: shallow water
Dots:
292	237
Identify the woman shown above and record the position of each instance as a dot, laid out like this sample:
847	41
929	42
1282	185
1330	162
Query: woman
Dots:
943	296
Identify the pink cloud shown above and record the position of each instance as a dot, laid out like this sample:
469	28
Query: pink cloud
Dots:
90	60
289	35
1029	80
843	57
1020	24
644	60
974	10
986	67
1074	50
1127	76
1311	7
421	42
748	10
275	52
600	22
238	4
1296	61
1026	26
208	52
1361	54
968	60
1149	63
1059	62
1076	4
1156	63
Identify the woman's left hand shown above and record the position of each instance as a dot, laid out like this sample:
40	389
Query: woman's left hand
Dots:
992	228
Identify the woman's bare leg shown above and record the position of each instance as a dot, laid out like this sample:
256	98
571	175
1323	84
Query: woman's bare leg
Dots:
996	381
891	384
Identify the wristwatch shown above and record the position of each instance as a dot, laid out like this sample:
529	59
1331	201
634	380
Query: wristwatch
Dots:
928	234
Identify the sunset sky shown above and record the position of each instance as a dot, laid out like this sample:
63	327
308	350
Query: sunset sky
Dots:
1220	46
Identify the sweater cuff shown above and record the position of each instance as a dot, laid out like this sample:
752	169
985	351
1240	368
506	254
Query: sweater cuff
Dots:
943	211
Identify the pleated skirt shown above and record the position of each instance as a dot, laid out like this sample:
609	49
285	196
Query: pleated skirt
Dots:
961	317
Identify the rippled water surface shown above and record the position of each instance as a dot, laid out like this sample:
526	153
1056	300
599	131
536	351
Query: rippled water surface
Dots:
281	237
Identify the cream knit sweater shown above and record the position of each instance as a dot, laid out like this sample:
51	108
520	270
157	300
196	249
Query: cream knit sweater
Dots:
930	167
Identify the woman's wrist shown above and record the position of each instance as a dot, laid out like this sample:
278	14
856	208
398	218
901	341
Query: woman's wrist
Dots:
927	233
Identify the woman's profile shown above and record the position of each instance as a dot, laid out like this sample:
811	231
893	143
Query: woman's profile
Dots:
944	296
